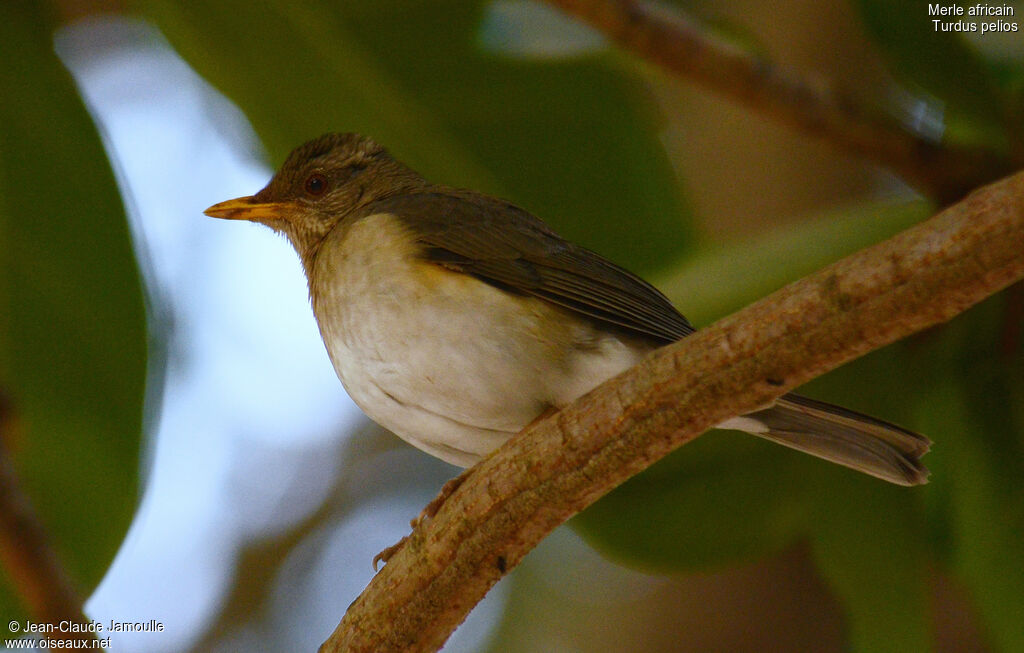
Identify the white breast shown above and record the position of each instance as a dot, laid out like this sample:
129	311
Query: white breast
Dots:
447	362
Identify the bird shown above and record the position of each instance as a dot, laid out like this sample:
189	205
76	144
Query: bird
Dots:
456	319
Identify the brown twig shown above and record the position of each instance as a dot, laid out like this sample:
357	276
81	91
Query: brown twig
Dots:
562	464
25	550
665	37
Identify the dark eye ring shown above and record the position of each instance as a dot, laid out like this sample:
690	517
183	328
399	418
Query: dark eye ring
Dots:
316	184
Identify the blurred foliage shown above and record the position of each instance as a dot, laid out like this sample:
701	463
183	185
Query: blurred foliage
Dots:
972	401
942	63
721	279
575	140
72	330
980	94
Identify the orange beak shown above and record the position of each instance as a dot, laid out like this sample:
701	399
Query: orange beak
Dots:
248	208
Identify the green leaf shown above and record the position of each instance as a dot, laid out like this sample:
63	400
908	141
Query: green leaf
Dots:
870	539
962	384
722	279
572	141
870	543
722	499
975	413
72	330
942	63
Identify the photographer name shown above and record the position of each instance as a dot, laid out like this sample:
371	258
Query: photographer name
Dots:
151	626
975	11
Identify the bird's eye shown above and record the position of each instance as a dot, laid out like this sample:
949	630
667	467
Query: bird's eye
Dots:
316	184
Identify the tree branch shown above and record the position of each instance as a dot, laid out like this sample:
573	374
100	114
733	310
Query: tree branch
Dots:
25	550
552	470
665	37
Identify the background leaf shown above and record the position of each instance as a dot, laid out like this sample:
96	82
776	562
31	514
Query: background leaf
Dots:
731	498
72	331
869	542
941	63
721	279
973	404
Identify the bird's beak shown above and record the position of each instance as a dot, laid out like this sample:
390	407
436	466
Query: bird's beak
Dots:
248	208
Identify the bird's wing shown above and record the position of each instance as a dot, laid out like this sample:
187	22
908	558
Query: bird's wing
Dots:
507	247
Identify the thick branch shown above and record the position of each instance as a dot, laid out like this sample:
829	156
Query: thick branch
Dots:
25	551
665	37
551	471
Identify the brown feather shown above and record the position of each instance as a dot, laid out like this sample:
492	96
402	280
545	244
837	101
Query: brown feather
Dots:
505	246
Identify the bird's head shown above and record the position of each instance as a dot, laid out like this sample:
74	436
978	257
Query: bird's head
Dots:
320	184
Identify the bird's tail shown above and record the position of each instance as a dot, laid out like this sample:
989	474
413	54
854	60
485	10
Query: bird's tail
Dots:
842	436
